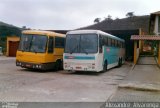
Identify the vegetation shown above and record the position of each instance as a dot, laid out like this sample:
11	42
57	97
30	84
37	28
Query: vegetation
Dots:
97	20
7	30
130	14
128	23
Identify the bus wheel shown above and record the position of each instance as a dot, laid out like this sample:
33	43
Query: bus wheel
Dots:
61	65
119	62
105	66
58	65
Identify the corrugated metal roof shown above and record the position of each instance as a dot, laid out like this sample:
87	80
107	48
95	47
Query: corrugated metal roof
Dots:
156	13
145	37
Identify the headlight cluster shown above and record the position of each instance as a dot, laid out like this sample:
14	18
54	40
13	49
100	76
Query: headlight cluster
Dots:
27	65
37	66
18	64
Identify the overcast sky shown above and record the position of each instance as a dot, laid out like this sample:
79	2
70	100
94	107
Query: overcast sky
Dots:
69	14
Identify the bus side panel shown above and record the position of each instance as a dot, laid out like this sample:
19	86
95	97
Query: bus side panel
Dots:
58	54
53	57
99	62
111	54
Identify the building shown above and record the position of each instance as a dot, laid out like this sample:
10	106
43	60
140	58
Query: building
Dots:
12	45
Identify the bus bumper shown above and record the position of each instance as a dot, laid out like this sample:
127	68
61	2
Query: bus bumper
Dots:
35	66
88	67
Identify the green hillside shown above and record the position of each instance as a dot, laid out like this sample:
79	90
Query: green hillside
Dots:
129	23
7	30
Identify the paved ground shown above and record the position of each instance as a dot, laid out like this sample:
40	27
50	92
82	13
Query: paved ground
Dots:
21	85
146	61
142	84
4	58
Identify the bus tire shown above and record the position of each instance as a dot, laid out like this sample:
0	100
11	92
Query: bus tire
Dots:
57	65
61	65
105	66
119	62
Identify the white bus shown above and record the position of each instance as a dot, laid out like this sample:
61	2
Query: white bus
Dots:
92	50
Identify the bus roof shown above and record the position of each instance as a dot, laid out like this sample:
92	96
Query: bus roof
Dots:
41	32
94	31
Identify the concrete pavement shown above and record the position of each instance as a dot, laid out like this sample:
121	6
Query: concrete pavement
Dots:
144	76
142	84
6	58
23	85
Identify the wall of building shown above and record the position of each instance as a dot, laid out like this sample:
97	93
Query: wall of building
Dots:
13	39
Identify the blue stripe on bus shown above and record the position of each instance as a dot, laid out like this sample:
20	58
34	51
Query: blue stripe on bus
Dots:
111	54
80	57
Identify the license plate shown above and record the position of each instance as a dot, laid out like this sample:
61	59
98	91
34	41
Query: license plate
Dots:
78	67
27	65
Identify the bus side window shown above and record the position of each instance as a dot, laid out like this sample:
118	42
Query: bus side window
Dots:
105	41
117	43
121	45
50	45
59	42
112	42
109	42
100	44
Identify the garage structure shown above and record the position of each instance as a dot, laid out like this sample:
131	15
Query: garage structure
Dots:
12	46
154	36
137	49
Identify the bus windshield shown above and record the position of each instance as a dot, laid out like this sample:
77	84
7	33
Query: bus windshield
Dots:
33	43
81	43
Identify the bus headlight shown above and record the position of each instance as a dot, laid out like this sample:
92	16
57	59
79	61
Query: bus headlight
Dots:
40	66
36	66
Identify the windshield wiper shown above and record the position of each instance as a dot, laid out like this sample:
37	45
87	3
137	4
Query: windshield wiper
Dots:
86	52
34	50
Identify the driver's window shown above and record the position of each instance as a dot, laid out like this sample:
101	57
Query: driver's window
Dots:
50	45
100	44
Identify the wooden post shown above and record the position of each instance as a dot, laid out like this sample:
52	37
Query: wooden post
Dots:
140	43
140	46
135	52
159	53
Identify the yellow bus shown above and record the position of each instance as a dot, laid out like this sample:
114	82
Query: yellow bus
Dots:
41	50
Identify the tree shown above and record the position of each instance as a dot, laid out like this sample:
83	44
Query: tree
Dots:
130	14
109	18
117	18
97	20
